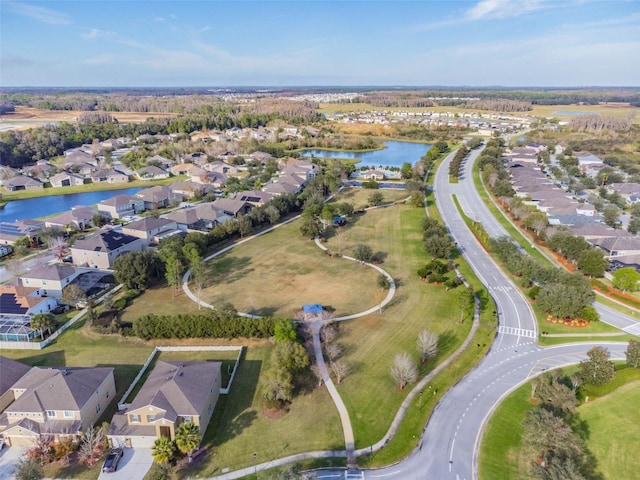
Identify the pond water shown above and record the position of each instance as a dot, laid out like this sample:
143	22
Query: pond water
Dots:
54	204
394	155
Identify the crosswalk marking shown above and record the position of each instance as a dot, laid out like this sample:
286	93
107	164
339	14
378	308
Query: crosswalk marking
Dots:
520	332
633	329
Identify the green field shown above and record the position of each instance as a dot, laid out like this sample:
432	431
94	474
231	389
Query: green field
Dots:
614	433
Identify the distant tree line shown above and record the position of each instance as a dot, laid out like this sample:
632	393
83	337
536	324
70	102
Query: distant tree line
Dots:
596	123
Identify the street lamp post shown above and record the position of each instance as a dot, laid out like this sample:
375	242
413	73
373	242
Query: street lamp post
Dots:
420	401
255	464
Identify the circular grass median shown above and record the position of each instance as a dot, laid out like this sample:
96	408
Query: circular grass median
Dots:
281	271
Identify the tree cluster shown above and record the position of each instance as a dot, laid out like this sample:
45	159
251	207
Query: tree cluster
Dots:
590	260
555	449
597	123
288	360
437	241
455	167
561	294
209	324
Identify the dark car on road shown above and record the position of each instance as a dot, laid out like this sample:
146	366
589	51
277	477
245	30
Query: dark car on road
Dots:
111	463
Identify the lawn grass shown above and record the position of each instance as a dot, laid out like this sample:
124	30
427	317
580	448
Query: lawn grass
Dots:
613	431
500	455
239	428
369	392
161	300
282	270
359	197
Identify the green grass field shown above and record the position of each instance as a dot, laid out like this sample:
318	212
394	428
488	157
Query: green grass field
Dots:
369	393
500	448
614	435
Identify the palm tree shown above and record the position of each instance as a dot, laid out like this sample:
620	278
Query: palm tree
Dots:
42	322
163	450
188	437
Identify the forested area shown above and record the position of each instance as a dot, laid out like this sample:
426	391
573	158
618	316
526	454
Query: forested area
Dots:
22	147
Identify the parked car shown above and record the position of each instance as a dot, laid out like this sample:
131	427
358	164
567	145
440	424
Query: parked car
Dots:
111	463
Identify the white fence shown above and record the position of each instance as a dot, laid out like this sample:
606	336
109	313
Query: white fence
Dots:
4	345
207	348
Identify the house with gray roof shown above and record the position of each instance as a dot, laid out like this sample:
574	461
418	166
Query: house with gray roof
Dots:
50	279
22	182
232	206
618	246
108	176
12	231
254	197
156	197
151	173
66	179
174	393
150	229
59	402
79	217
120	206
10	372
100	249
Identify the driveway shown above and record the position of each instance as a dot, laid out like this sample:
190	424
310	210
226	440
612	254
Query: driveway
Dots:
9	456
133	465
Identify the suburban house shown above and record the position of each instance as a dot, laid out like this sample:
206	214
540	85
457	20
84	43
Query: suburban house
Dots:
42	170
629	191
58	402
374	175
101	248
12	231
108	176
187	189
150	230
79	157
174	393
523	154
186	169
19	300
10	372
22	182
232	207
197	158
79	217
254	197
66	179
203	217
618	246
215	179
50	279
120	206
5	250
151	173
276	187
160	161
156	197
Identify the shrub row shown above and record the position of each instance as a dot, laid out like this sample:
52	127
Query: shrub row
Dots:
210	324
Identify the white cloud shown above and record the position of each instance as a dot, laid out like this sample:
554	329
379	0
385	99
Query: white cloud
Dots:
204	29
100	59
41	14
503	8
93	33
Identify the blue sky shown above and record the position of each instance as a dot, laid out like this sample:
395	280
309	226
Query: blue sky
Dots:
240	43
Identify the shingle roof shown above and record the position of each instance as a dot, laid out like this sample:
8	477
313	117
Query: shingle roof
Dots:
148	223
10	372
116	201
50	272
57	388
178	388
105	241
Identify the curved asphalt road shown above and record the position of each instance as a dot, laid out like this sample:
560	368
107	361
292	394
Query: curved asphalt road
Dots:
449	447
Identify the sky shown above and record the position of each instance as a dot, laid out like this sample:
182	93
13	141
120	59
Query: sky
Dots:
129	43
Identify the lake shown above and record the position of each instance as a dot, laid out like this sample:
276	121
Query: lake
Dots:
54	204
394	155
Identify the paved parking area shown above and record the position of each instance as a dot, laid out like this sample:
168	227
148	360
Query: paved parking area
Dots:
9	456
133	465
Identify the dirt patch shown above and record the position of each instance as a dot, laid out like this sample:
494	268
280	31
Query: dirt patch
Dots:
275	413
37	114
